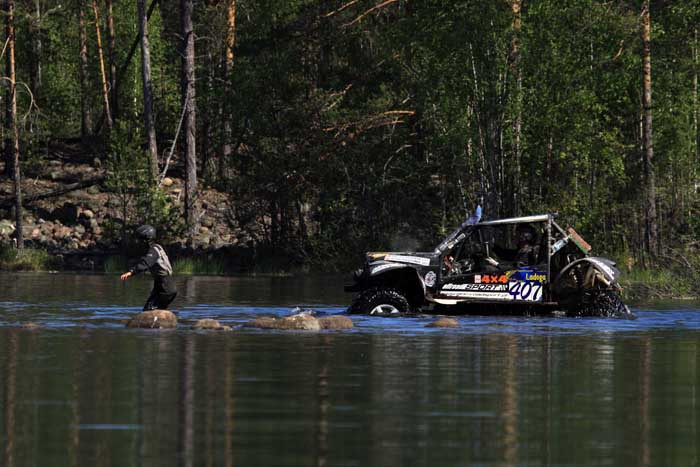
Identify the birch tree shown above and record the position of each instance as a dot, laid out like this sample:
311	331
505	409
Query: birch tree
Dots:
651	228
11	117
148	118
111	55
85	113
188	101
228	67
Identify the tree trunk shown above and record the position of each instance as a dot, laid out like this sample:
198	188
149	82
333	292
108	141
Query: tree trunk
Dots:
210	106
188	92
147	90
651	228
696	135
518	118
132	50
103	74
111	52
37	47
228	67
11	125
85	115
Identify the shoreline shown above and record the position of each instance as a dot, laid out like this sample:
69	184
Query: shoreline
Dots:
230	262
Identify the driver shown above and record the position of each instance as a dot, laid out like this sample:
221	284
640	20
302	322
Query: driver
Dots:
527	251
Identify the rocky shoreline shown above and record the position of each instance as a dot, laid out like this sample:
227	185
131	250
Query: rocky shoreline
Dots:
69	214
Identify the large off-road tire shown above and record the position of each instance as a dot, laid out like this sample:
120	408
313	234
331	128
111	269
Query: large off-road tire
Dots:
380	301
600	302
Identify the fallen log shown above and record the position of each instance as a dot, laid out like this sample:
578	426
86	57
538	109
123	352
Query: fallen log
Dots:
28	199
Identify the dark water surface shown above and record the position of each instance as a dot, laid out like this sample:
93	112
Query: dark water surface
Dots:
83	390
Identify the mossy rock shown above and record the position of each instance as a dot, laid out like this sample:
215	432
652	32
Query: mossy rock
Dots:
210	324
335	322
153	319
443	323
299	322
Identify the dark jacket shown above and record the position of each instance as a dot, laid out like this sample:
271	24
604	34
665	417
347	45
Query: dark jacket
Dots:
156	261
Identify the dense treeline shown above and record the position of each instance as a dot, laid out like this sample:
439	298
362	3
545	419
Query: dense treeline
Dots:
346	125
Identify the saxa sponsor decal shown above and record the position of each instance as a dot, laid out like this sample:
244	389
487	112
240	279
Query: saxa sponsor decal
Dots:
408	259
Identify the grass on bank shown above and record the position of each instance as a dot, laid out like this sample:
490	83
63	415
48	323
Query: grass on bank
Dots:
651	284
199	266
26	259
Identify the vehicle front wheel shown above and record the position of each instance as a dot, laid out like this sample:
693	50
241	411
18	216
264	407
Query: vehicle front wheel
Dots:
380	301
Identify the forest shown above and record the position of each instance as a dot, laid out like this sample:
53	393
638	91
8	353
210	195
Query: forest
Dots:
339	126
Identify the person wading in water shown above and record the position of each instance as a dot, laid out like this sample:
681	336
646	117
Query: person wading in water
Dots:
156	261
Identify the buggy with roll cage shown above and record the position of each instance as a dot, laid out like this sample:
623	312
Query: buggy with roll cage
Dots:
491	266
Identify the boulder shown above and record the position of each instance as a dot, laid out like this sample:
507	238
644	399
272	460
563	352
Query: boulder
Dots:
301	322
87	214
6	227
208	323
208	221
154	319
67	214
443	323
62	232
335	322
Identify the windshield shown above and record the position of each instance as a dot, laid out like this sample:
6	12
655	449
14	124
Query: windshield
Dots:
458	234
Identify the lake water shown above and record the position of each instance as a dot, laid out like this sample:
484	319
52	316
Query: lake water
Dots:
83	390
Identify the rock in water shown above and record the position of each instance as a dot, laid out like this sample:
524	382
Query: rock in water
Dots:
153	319
443	323
301	321
208	323
335	322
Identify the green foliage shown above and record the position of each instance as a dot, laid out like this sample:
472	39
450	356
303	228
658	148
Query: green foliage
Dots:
199	266
351	126
115	264
140	200
27	259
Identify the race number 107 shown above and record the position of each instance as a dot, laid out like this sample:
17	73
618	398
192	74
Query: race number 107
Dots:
528	291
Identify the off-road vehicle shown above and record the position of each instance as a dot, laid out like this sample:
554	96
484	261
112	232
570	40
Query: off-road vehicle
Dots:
523	264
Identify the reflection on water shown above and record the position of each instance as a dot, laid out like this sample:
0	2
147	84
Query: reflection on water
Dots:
83	390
